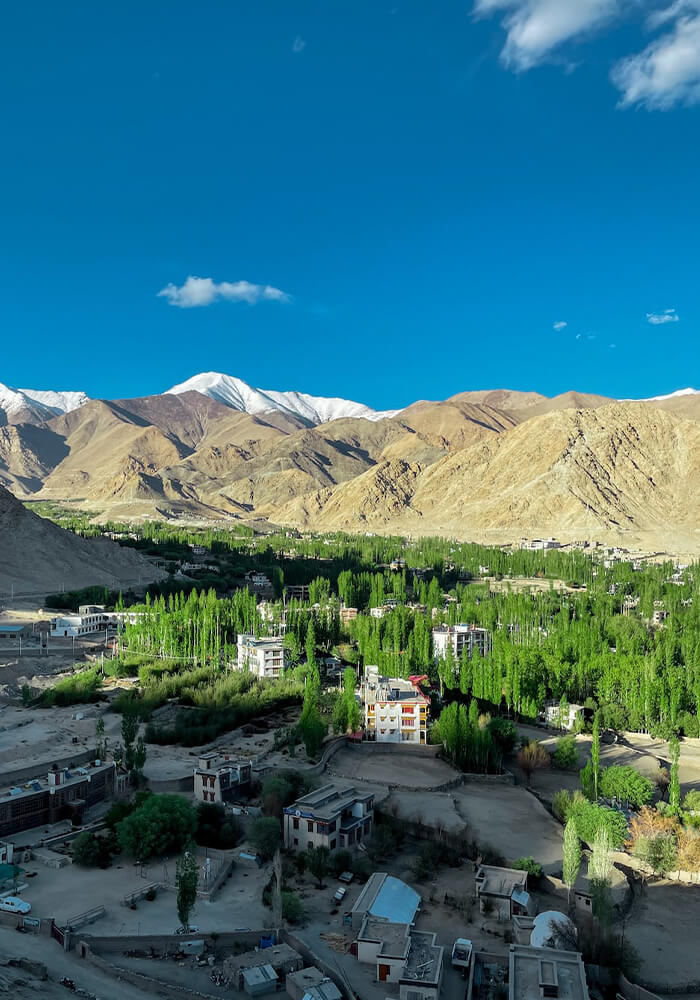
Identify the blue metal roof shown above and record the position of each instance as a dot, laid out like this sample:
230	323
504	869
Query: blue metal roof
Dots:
396	902
12	628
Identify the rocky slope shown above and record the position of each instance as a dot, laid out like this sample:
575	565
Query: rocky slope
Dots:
36	556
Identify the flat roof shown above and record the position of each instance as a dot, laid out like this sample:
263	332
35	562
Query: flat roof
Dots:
71	776
12	628
394	938
277	955
424	962
532	968
495	881
328	800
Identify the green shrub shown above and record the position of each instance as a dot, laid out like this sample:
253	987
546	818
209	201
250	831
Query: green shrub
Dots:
529	865
340	861
265	835
691	803
77	689
565	757
590	817
626	784
292	907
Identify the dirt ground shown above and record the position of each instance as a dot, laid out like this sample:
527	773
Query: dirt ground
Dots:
64	893
511	821
663	929
392	768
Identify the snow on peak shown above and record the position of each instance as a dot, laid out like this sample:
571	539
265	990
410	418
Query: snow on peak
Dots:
237	394
38	404
672	395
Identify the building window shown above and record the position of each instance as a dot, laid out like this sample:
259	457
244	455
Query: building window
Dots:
332	826
295	824
296	841
310	825
333	844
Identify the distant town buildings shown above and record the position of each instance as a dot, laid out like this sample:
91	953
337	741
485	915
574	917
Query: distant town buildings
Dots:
266	657
332	816
347	615
459	637
395	710
539	544
221	778
62	794
296	592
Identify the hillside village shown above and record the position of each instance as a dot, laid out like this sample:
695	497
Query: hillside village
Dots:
332	766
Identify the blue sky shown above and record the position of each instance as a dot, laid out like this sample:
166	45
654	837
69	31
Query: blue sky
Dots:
390	200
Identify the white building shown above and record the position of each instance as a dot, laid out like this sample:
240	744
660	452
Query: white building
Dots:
265	657
566	719
458	637
81	624
395	710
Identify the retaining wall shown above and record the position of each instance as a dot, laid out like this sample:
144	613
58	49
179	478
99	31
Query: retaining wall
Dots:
19	775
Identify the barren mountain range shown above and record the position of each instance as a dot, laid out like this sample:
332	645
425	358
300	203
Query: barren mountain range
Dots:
488	465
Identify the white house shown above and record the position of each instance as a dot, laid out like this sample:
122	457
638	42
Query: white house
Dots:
266	656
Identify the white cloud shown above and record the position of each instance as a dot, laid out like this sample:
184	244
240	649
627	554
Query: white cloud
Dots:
203	291
667	316
298	45
559	325
535	28
667	71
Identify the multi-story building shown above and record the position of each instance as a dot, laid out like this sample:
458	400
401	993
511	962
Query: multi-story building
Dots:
458	637
221	778
347	615
395	710
332	816
90	619
63	794
265	657
296	592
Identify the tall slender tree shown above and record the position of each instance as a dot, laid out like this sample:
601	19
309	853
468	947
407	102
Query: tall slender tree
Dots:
572	857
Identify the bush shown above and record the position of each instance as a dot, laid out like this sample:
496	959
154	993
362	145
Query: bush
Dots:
590	817
382	844
340	861
626	784
561	803
120	810
86	851
163	824
265	835
215	827
292	907
565	757
77	689
361	867
529	865
691	803
504	734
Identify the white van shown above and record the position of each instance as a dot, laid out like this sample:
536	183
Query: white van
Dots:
13	904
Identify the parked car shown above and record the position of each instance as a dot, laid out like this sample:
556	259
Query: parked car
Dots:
13	904
192	929
339	893
346	877
462	955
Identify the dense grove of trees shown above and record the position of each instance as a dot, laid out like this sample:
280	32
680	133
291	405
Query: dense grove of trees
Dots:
579	644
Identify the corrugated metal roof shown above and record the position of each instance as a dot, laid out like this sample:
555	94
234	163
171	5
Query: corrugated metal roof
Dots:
395	901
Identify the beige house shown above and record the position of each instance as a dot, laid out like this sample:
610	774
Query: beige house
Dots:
395	710
332	816
266	657
220	778
409	958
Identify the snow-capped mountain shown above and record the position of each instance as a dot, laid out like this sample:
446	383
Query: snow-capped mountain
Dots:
36	405
672	395
237	394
